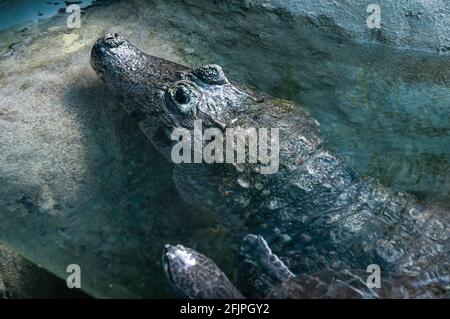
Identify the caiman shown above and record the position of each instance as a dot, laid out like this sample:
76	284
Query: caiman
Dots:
315	211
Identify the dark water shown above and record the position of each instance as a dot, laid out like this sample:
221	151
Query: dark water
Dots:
387	110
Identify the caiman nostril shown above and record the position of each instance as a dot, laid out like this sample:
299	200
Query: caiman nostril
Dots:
112	40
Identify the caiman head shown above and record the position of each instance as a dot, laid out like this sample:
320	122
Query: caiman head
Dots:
195	275
164	95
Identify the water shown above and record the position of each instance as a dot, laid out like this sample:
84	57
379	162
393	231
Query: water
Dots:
31	11
80	183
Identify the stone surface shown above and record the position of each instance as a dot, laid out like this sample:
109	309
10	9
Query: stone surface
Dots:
20	278
79	183
418	24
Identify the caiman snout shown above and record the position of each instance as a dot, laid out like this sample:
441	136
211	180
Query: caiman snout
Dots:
111	51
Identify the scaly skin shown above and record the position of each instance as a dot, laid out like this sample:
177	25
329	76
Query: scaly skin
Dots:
196	276
315	212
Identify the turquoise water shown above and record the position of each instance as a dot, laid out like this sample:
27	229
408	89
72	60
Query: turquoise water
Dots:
26	11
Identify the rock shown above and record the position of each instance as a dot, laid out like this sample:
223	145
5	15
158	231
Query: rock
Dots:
19	278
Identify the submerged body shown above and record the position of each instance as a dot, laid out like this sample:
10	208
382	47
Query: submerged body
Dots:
315	212
196	276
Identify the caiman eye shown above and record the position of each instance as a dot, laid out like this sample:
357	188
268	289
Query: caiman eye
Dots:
185	96
211	74
182	96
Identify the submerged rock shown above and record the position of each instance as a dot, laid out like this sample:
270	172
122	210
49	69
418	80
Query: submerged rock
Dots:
19	278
